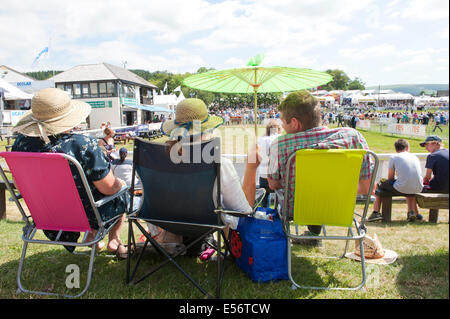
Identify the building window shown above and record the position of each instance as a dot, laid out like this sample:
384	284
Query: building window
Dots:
68	88
85	90
102	89
128	91
94	89
60	86
110	89
76	90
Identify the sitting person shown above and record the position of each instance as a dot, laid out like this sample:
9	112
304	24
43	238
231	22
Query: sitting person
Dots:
107	142
192	123
273	130
300	114
436	175
408	182
48	128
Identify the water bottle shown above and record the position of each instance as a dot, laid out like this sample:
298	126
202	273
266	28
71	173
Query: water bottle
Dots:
262	215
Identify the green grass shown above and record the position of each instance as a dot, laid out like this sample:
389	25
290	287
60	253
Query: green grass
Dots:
421	270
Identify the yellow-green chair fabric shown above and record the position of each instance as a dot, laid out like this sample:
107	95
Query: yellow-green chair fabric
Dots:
326	183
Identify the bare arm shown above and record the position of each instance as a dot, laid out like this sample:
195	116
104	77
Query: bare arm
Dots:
391	174
427	176
109	185
249	183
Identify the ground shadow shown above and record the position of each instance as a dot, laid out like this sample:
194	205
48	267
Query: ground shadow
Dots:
424	276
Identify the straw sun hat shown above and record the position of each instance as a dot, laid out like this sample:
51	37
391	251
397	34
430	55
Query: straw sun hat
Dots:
373	252
52	112
191	118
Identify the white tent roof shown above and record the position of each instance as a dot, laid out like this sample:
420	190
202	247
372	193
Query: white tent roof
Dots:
363	98
13	93
396	96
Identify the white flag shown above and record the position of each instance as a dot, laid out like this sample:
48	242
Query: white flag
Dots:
165	88
177	89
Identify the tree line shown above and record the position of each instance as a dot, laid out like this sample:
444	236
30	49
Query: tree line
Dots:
341	81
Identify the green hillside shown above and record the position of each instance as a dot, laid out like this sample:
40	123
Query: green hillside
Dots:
413	89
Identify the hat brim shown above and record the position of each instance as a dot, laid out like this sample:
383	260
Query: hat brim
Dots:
389	257
213	122
80	111
422	144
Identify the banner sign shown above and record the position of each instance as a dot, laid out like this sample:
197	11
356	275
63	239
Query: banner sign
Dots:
365	124
407	129
99	104
15	116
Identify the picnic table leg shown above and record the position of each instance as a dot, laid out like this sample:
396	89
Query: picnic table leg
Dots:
2	204
386	208
433	217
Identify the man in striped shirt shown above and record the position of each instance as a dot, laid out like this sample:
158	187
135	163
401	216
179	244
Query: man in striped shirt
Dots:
301	119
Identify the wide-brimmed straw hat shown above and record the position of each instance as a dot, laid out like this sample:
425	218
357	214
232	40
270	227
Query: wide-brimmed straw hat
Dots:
52	112
191	118
373	252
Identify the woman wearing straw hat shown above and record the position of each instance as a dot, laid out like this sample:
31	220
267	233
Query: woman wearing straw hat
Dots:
47	128
192	121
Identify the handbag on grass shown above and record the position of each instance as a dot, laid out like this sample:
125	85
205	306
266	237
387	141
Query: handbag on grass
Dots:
259	246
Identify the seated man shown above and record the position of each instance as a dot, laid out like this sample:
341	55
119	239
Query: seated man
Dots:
409	181
301	119
436	175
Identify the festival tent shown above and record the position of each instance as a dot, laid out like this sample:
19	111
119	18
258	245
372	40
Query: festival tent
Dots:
396	97
13	93
358	98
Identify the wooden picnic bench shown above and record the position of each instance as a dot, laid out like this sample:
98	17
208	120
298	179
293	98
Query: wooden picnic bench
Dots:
424	200
433	202
3	197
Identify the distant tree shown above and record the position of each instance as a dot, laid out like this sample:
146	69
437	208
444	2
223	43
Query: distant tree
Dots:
356	84
340	80
204	69
42	75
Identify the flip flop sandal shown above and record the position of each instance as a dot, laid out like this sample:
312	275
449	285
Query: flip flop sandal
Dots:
205	255
122	255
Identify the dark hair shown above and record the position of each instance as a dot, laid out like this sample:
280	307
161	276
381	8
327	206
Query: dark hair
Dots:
304	107
401	145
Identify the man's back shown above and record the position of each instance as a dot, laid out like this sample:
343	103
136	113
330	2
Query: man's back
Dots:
438	162
407	167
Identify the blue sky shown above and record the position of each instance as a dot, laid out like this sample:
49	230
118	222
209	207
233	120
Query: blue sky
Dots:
381	42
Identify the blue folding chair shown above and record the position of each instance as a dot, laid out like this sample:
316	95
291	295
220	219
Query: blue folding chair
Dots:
178	197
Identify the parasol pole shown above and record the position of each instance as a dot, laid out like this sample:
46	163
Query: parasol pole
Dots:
255	89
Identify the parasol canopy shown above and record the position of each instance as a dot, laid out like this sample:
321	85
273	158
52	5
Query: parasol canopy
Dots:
257	79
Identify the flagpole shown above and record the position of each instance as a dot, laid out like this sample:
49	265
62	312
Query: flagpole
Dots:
50	49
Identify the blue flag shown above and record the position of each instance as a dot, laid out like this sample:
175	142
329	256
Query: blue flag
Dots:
36	60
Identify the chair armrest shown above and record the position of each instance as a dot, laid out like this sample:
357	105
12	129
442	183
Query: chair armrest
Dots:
106	199
232	212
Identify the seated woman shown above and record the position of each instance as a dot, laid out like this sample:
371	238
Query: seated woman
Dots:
107	142
48	128
193	123
273	130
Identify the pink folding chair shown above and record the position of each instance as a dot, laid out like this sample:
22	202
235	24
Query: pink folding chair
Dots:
47	186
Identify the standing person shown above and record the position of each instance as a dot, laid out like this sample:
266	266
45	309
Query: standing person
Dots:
436	175
437	123
406	167
47	128
300	116
340	120
107	142
273	130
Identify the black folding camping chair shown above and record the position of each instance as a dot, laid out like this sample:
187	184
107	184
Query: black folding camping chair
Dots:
178	197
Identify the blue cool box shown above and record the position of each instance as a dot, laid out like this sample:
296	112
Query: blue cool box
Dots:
263	254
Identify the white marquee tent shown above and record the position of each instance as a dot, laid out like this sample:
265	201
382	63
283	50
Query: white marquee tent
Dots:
13	93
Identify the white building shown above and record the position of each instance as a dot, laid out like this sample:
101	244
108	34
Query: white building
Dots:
116	94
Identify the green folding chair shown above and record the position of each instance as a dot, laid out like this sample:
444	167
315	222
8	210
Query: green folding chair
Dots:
326	183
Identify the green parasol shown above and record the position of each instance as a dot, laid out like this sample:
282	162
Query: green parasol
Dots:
257	79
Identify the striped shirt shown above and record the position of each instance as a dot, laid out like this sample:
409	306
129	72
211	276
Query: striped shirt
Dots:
319	137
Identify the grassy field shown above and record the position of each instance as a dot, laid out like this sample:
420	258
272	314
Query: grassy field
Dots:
420	272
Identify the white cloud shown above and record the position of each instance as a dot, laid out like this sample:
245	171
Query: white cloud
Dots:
393	28
426	10
360	37
382	50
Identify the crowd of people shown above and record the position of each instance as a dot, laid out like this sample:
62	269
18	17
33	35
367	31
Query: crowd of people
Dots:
299	114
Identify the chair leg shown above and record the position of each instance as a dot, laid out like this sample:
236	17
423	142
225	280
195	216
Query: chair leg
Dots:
88	280
296	285
171	259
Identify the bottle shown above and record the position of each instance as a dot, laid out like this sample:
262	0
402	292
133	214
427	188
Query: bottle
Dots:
262	215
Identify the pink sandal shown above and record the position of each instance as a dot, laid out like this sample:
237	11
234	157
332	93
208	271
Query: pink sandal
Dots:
204	256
